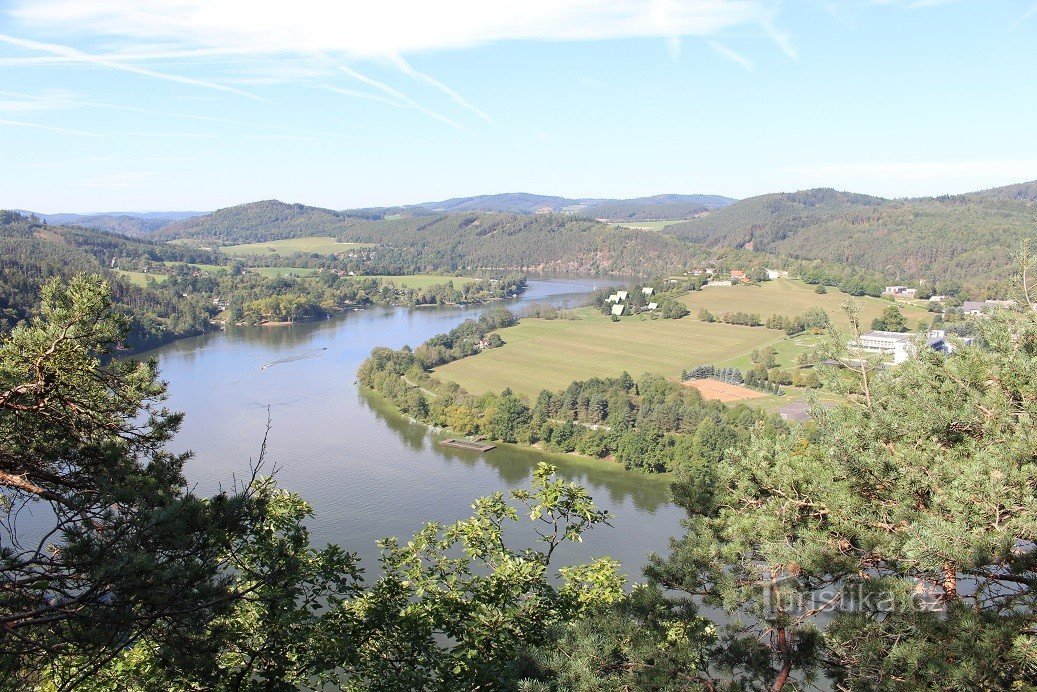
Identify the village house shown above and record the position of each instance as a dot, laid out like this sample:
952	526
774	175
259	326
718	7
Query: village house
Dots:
739	275
901	291
652	306
981	307
617	310
648	290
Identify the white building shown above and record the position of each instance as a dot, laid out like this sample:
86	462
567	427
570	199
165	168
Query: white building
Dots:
900	345
613	298
720	283
652	306
622	295
773	274
979	307
648	290
617	310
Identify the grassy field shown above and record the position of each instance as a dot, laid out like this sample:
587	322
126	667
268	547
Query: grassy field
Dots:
271	272
549	354
541	354
645	225
140	278
211	268
425	280
791	297
320	245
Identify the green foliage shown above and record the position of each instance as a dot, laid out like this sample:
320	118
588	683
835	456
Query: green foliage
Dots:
964	238
121	547
907	519
891	320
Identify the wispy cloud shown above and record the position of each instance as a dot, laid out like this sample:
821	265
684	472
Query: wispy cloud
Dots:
75	55
82	103
51	128
405	67
399	97
375	29
726	52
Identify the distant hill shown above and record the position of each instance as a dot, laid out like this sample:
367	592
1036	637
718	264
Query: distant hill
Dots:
32	252
1023	192
266	220
658	207
972	237
126	223
457	240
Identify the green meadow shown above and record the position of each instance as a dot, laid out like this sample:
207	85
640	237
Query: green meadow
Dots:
320	245
549	354
140	278
419	281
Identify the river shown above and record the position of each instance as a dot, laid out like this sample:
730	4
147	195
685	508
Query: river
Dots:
367	471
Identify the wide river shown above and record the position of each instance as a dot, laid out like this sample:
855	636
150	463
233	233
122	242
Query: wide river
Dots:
367	471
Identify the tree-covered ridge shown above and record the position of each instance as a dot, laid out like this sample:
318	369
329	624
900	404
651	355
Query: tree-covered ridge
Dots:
189	301
32	252
668	206
451	242
966	238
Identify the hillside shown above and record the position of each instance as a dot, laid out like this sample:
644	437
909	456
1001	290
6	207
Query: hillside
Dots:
125	223
32	253
543	242
964	238
637	209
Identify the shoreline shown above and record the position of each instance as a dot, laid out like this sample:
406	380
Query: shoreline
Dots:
442	433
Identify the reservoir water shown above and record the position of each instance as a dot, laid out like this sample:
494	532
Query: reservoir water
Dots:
367	471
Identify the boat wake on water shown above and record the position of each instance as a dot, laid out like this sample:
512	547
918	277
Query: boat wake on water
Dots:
305	355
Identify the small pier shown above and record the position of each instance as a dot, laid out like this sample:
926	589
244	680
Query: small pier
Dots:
473	446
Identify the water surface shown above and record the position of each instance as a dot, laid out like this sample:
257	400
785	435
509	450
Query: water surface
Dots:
367	471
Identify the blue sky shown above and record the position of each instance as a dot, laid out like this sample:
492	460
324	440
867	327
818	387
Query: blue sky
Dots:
198	104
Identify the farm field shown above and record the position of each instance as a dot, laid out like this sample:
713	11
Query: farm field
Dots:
790	297
139	278
549	354
210	268
419	281
723	391
271	272
320	245
543	354
645	225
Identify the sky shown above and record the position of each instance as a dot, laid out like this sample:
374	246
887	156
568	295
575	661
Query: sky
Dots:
112	105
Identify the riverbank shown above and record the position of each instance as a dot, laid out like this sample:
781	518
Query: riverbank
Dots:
368	471
569	459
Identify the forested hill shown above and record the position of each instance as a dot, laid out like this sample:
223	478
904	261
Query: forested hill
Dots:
32	252
125	223
658	207
958	238
541	242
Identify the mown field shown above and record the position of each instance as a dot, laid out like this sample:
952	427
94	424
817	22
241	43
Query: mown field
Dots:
139	278
283	271
791	297
542	354
549	354
321	245
419	281
645	225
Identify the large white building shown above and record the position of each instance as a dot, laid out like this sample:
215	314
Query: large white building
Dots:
900	345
